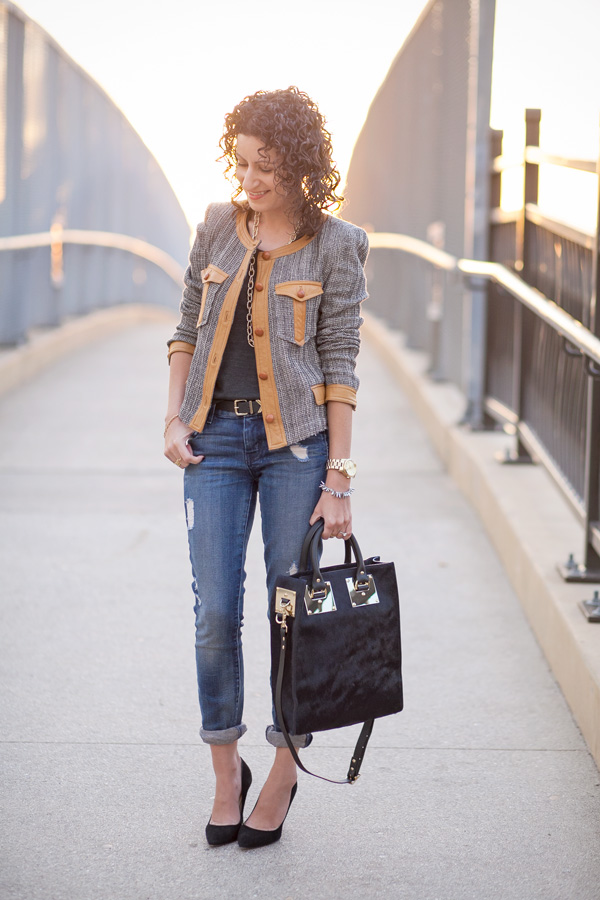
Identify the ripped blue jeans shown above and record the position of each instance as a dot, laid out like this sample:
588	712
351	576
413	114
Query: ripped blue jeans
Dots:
220	500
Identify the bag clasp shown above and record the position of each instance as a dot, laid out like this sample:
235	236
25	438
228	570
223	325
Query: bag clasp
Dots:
285	605
319	599
362	590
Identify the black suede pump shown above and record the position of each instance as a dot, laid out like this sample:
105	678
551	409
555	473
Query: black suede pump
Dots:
255	837
216	835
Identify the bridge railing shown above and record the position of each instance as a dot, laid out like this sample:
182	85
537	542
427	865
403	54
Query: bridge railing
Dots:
527	355
538	381
87	217
580	348
107	267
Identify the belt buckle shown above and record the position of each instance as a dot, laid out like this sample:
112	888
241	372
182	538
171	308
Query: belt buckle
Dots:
251	405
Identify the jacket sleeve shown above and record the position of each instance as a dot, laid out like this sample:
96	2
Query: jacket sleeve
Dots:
186	332
338	338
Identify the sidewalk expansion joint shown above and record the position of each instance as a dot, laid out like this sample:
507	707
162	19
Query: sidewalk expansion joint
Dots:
340	747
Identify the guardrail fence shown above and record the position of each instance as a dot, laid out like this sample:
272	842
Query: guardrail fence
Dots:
87	217
504	303
542	347
537	380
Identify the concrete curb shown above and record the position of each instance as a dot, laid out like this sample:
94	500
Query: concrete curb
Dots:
44	347
530	524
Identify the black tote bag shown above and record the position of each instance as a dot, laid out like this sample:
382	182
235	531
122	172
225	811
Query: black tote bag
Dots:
336	656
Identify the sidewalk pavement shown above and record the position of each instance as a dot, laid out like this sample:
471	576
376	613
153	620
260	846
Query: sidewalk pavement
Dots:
482	788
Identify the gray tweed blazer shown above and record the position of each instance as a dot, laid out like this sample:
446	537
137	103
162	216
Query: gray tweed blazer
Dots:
305	318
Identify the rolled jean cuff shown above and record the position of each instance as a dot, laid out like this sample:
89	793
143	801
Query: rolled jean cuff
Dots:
276	738
224	736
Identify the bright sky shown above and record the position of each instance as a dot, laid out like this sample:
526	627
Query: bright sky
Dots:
546	56
175	68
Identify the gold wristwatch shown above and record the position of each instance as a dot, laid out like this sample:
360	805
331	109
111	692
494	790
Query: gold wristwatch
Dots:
346	466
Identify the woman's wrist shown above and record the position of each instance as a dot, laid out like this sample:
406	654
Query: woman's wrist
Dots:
340	495
337	480
337	483
169	421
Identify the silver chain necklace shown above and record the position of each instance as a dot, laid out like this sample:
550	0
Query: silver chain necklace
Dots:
252	276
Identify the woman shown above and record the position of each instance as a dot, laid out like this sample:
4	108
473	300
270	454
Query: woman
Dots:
261	394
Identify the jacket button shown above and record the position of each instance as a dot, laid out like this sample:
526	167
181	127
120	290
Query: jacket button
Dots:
258	286
266	255
300	293
270	417
263	376
258	332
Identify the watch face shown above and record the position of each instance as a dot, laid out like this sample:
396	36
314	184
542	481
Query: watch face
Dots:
350	468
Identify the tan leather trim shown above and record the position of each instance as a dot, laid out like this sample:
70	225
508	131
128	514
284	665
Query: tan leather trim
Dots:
319	392
299	291
242	230
245	238
291	248
210	275
202	304
219	342
177	346
342	393
264	363
299	322
213	274
308	289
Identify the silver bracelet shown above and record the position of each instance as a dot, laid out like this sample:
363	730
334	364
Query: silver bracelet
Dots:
338	494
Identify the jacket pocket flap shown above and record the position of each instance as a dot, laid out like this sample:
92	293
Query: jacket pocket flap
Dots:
319	393
299	290
214	275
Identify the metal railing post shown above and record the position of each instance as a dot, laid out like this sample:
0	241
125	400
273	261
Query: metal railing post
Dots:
495	188
590	570
436	235
522	259
532	170
496	139
477	203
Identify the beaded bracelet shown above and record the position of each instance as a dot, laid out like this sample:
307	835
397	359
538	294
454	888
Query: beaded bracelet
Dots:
338	494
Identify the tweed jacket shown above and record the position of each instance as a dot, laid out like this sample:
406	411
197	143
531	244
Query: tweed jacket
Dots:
305	320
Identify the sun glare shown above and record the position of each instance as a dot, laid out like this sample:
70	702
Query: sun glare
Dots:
175	88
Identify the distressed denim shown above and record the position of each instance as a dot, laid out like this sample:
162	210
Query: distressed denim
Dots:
220	500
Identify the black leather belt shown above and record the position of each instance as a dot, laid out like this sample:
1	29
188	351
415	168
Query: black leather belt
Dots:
240	407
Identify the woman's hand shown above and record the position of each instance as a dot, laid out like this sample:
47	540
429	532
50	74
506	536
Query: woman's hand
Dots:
177	449
336	513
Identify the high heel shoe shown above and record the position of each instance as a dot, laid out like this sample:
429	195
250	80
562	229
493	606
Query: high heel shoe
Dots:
256	837
226	834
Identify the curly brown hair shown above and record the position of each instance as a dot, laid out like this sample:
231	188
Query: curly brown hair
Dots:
289	124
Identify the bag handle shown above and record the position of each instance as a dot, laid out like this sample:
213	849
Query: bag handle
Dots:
311	542
318	526
363	738
304	553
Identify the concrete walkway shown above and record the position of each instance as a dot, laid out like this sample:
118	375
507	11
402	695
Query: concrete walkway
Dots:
482	788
